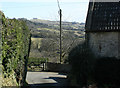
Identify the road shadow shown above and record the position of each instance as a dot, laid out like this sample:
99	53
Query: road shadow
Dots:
46	85
60	81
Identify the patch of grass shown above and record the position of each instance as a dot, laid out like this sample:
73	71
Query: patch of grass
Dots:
48	29
36	42
35	68
34	39
77	33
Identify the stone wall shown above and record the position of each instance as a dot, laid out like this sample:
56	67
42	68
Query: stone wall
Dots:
57	67
104	44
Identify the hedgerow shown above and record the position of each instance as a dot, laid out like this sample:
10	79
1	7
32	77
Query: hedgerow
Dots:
15	51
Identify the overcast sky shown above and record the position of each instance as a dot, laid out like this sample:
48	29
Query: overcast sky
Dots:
72	10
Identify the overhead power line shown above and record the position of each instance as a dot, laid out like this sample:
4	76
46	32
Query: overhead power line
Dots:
58	4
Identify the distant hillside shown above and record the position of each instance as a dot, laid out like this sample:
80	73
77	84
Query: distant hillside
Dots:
65	25
45	38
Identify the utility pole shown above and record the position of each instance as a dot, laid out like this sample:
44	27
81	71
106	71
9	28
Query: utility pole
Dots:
60	13
60	36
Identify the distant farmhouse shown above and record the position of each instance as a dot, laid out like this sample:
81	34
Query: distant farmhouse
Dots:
103	28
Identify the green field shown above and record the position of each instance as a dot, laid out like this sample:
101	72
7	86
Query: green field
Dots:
45	38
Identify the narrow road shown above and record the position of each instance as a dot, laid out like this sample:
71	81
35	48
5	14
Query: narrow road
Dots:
47	79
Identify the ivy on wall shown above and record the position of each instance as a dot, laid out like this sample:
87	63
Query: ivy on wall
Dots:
15	50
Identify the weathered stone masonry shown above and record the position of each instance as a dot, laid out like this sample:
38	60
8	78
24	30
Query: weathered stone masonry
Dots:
103	29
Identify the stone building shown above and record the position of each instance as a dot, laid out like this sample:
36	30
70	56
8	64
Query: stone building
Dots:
103	28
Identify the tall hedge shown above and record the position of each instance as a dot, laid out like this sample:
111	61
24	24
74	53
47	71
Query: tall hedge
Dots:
82	62
15	51
0	51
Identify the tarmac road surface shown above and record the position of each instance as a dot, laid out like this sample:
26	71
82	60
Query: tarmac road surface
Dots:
47	79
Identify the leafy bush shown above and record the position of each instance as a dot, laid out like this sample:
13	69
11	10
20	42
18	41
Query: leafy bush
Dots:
82	61
15	49
36	61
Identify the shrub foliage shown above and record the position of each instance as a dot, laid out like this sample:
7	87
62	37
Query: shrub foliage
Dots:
82	62
15	49
36	61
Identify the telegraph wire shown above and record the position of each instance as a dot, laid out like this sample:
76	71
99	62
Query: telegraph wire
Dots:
58	4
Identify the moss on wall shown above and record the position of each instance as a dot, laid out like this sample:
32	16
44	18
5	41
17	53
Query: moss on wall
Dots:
15	51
